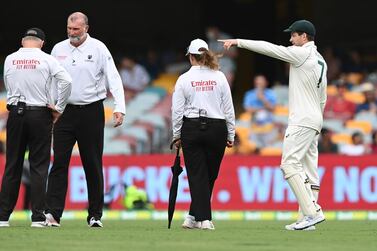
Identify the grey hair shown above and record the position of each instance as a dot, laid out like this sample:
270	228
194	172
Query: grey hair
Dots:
78	15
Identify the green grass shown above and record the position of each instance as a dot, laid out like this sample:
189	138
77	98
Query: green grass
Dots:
154	235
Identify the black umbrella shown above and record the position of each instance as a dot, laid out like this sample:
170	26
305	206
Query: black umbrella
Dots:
176	170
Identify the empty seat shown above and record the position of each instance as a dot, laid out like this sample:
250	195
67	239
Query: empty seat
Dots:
245	116
332	90
166	81
143	143
270	151
367	116
281	110
354	78
161	132
363	126
157	90
341	138
108	114
117	147
246	146
282	93
335	125
354	97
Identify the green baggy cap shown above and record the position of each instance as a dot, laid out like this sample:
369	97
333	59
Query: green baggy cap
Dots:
302	26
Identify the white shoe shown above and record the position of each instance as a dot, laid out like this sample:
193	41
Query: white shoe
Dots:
292	227
39	224
51	220
4	223
95	223
190	223
207	225
309	221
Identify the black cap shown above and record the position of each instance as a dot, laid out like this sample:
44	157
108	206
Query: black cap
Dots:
35	32
302	26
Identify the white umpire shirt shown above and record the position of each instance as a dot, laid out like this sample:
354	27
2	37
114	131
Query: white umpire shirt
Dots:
307	79
201	88
92	69
28	75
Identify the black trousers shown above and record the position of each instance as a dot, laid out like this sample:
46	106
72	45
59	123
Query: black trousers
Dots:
203	151
84	124
32	131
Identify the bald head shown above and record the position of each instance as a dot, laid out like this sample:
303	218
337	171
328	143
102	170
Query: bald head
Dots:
77	16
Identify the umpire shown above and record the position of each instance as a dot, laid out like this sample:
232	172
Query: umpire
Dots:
203	123
92	69
28	75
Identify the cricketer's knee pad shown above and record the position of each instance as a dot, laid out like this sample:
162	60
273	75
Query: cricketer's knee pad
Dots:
290	170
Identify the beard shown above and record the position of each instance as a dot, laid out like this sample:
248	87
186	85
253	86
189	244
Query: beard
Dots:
74	39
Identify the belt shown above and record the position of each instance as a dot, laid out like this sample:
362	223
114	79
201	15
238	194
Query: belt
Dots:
29	108
83	106
208	120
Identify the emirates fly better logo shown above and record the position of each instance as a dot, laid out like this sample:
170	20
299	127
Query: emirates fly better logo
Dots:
203	85
25	64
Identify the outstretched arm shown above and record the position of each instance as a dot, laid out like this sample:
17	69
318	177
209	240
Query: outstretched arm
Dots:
228	43
295	55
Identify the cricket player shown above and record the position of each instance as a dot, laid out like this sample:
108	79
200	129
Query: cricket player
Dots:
307	98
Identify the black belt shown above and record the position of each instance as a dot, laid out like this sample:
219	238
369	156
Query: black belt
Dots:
83	106
29	108
208	120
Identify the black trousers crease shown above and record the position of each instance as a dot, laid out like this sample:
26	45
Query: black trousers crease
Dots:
31	131
84	125
203	151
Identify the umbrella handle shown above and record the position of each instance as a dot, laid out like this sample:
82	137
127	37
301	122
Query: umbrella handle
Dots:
177	154
172	143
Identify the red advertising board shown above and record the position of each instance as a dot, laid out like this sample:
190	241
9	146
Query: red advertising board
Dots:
244	183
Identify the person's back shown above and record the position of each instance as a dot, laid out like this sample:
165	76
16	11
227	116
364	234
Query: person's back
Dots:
203	123
206	85
28	75
37	64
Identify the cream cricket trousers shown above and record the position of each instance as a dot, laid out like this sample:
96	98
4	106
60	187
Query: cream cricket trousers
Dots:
300	154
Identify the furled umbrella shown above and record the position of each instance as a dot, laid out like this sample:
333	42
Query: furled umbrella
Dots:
176	170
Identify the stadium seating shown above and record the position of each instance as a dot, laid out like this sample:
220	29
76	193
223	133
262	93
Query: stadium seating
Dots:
364	126
166	81
246	146
354	97
281	93
367	116
335	125
281	110
341	138
270	151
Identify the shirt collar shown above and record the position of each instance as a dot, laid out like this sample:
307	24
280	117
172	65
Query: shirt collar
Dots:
198	67
29	49
309	44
